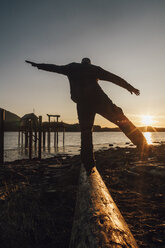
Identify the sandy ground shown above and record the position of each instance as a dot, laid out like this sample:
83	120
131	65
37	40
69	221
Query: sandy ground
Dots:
37	198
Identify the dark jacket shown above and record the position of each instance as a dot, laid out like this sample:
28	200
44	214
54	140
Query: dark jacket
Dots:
84	78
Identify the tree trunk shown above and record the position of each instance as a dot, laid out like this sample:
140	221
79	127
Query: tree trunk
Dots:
98	223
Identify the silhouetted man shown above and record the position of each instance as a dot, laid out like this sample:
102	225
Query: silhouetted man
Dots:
90	99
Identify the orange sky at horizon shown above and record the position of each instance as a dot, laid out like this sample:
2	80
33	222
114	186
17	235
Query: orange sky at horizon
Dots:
158	122
99	120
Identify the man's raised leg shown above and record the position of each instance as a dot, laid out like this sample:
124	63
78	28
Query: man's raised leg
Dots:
115	114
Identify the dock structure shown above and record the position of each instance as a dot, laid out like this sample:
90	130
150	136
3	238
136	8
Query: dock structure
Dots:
33	132
55	129
98	222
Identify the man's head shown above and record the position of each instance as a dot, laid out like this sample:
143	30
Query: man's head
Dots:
85	61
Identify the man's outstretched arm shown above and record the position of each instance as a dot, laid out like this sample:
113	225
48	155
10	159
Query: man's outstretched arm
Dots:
108	76
62	69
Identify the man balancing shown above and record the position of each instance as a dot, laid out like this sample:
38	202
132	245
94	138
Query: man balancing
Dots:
90	99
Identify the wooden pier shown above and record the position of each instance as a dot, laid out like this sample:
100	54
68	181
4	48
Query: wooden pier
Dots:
33	134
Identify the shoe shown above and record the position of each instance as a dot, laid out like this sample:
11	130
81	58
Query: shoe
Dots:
89	169
146	150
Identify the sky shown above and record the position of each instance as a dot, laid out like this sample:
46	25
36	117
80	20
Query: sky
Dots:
125	37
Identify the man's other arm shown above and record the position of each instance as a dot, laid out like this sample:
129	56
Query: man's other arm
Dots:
108	76
62	69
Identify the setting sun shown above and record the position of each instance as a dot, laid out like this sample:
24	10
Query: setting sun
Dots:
147	120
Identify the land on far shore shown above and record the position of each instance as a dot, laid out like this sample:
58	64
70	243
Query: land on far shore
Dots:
12	123
14	126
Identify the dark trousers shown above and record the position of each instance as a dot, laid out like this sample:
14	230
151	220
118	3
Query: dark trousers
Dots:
101	104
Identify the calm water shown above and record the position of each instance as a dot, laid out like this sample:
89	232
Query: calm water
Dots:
101	140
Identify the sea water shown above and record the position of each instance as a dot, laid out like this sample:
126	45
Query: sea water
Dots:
101	140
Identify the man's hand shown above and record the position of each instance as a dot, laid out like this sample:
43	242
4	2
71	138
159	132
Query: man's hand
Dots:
135	91
32	63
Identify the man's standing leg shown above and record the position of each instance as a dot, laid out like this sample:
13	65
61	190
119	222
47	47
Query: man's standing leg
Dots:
86	118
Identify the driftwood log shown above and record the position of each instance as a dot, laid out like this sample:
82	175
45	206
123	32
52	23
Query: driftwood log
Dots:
98	222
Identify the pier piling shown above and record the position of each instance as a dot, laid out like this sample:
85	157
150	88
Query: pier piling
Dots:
55	138
44	134
26	139
22	138
30	140
40	137
63	136
2	118
19	137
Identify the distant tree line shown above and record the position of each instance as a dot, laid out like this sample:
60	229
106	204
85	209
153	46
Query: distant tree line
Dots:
12	123
14	126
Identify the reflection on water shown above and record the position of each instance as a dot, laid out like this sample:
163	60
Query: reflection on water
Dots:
148	136
101	140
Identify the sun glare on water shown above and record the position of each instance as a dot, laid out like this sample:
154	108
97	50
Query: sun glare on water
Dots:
147	120
148	137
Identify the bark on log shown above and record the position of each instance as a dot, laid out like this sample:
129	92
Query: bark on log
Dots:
98	222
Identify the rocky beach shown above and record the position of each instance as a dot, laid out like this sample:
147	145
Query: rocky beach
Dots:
37	198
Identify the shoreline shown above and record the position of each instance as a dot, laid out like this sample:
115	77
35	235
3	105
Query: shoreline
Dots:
18	154
44	192
72	144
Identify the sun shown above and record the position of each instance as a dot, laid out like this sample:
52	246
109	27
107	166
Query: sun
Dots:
147	120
